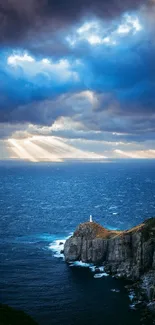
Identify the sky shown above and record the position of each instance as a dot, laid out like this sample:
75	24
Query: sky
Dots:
77	79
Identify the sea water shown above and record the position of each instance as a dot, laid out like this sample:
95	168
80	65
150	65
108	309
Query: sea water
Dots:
40	206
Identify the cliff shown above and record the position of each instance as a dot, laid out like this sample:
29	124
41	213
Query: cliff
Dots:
129	254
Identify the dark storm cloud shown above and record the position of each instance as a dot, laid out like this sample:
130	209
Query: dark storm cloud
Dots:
19	18
36	98
121	77
6	129
123	83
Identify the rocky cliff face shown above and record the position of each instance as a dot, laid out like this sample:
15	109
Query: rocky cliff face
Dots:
88	243
129	254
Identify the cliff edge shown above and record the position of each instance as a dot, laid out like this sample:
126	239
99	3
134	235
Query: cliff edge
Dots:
129	254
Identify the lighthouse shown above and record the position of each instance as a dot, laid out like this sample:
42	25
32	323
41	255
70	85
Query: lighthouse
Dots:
91	218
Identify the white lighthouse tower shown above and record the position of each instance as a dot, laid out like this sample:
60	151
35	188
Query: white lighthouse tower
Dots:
91	218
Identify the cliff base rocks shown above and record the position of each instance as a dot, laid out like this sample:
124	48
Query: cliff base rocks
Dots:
129	254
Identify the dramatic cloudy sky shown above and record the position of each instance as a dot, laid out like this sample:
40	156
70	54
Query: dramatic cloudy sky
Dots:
77	79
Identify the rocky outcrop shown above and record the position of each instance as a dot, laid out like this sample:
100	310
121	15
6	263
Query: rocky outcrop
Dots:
87	243
129	254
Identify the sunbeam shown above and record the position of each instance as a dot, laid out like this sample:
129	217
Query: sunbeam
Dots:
20	151
41	148
41	153
64	150
137	154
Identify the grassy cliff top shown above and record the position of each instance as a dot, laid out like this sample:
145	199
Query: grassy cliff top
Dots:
92	230
147	228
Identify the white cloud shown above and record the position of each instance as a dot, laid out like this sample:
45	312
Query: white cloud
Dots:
94	39
123	29
96	33
32	67
131	24
16	59
69	139
135	23
65	123
86	27
89	31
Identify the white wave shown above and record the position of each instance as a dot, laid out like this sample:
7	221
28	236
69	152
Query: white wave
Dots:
57	246
115	290
131	295
98	206
80	264
100	275
98	270
93	268
113	207
118	276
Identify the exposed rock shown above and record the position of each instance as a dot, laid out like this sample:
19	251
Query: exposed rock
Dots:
151	306
148	284
72	249
88	243
129	254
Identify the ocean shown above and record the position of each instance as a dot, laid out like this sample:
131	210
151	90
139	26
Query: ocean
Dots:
40	205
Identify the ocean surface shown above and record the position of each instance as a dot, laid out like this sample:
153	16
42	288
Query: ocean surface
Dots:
40	205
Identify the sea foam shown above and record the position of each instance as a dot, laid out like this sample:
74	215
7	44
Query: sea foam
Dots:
100	275
115	290
98	270
57	246
80	264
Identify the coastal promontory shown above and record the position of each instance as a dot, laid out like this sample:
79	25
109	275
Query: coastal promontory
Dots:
129	254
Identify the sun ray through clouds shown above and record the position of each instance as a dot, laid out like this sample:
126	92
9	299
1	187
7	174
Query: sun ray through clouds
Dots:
40	152
20	151
44	148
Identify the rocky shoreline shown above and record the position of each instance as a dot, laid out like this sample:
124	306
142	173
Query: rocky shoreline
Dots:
126	254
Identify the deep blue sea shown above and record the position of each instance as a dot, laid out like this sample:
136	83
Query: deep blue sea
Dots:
41	204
